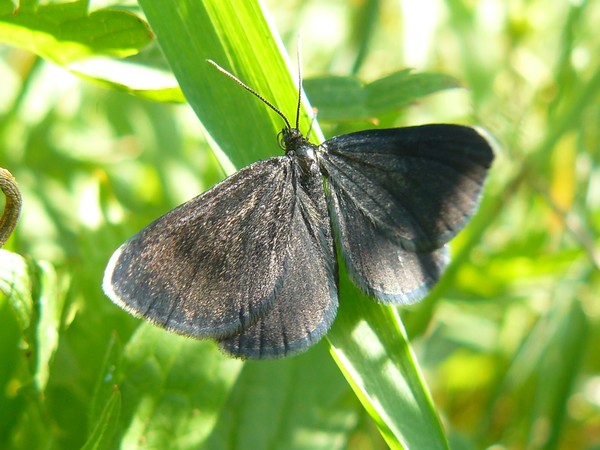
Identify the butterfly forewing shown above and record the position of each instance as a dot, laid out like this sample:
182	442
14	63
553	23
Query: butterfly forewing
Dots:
419	185
306	302
213	265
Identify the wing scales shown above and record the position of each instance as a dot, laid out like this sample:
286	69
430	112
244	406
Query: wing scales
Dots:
419	184
306	302
212	265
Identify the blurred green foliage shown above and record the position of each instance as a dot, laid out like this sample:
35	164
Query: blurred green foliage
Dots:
508	341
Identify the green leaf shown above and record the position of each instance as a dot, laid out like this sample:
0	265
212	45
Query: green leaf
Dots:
66	32
338	98
105	407
89	43
133	76
173	389
347	98
16	284
11	405
243	127
509	336
37	300
50	302
567	332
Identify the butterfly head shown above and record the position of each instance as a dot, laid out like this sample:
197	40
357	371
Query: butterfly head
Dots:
298	147
291	138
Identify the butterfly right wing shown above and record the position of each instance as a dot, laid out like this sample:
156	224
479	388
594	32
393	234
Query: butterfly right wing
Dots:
397	196
419	184
211	266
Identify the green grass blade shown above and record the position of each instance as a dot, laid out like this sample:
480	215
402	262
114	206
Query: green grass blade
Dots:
103	433
300	402
372	350
50	302
243	127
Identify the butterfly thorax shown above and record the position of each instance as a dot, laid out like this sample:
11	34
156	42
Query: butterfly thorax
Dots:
299	148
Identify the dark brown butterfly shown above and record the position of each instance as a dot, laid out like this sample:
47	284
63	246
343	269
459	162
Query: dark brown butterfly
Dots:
252	262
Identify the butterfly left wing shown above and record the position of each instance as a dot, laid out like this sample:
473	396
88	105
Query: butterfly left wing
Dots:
397	196
306	302
213	265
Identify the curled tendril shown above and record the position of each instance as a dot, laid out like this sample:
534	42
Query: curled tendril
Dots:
12	206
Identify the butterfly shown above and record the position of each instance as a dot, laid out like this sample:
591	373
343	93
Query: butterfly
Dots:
252	262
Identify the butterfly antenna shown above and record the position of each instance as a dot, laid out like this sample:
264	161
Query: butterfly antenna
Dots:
298	57
252	91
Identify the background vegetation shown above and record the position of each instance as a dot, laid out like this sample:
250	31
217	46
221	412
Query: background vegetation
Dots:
507	342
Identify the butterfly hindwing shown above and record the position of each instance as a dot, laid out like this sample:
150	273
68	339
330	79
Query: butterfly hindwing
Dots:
377	264
306	301
419	185
189	271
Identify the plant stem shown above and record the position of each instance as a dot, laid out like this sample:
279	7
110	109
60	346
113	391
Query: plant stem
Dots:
12	207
